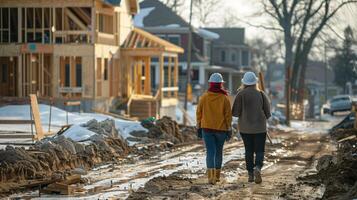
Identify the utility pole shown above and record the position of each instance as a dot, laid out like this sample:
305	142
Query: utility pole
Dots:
189	54
325	71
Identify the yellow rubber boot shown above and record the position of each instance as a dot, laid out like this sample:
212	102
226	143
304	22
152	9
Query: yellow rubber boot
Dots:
218	175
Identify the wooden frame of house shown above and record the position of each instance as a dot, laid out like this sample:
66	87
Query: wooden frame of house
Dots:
86	50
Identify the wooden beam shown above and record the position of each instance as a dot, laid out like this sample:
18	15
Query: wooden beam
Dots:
169	75
53	24
140	75
161	63
132	39
147	76
36	117
176	75
75	19
93	25
20	121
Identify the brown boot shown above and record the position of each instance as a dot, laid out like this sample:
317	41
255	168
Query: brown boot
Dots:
211	176
218	175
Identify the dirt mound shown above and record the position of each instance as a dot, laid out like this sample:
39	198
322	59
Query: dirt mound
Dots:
168	129
58	154
338	172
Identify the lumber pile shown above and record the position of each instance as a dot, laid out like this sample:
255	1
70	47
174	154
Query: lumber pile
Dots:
66	186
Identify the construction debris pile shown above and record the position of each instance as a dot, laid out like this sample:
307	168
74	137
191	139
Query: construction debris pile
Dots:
53	157
338	172
58	154
164	129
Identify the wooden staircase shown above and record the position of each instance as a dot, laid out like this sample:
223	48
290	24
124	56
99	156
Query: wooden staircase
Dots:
143	107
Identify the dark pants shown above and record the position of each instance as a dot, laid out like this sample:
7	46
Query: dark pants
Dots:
254	143
214	142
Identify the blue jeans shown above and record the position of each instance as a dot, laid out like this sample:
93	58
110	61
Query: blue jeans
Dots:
214	146
254	144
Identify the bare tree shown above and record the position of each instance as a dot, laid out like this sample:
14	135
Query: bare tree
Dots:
229	19
175	5
204	11
301	21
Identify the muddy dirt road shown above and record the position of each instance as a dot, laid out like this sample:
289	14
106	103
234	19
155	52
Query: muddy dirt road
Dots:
289	163
180	173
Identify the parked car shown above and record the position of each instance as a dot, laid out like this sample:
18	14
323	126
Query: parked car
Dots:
339	103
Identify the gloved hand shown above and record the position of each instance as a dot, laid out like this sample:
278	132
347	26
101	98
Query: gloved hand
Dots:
229	135
199	133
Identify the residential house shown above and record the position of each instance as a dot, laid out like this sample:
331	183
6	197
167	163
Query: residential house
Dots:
86	50
232	53
158	19
315	80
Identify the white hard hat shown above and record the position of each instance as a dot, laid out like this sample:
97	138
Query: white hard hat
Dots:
249	78
216	78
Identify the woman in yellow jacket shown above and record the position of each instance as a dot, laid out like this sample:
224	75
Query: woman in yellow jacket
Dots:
214	118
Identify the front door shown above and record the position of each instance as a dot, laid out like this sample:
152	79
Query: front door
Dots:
7	76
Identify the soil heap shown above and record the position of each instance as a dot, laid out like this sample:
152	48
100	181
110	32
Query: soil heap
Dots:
338	172
58	154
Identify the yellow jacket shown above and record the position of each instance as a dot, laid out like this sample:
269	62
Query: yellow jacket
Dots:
214	112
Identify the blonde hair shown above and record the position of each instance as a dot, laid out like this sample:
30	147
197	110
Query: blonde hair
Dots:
242	86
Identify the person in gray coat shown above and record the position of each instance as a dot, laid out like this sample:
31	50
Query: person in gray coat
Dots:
252	107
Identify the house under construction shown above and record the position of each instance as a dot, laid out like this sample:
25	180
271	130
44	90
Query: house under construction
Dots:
85	50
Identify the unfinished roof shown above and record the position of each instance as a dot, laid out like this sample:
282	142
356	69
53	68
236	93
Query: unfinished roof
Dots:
140	40
234	36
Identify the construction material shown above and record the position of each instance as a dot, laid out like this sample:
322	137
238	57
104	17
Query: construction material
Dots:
36	117
69	104
34	120
262	88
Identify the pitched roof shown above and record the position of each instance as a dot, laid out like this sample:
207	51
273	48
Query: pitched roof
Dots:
233	36
139	39
160	15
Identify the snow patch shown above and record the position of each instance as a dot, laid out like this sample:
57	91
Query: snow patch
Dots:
139	18
208	34
58	119
78	133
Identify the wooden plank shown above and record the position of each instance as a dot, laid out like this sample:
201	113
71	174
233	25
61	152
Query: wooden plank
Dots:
72	103
140	74
169	75
147	76
9	121
262	88
347	138
261	82
176	75
15	136
161	63
36	117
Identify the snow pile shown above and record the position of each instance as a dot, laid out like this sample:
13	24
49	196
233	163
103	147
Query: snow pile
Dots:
78	133
191	111
58	119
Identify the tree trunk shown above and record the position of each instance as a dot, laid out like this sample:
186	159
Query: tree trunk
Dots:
289	43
